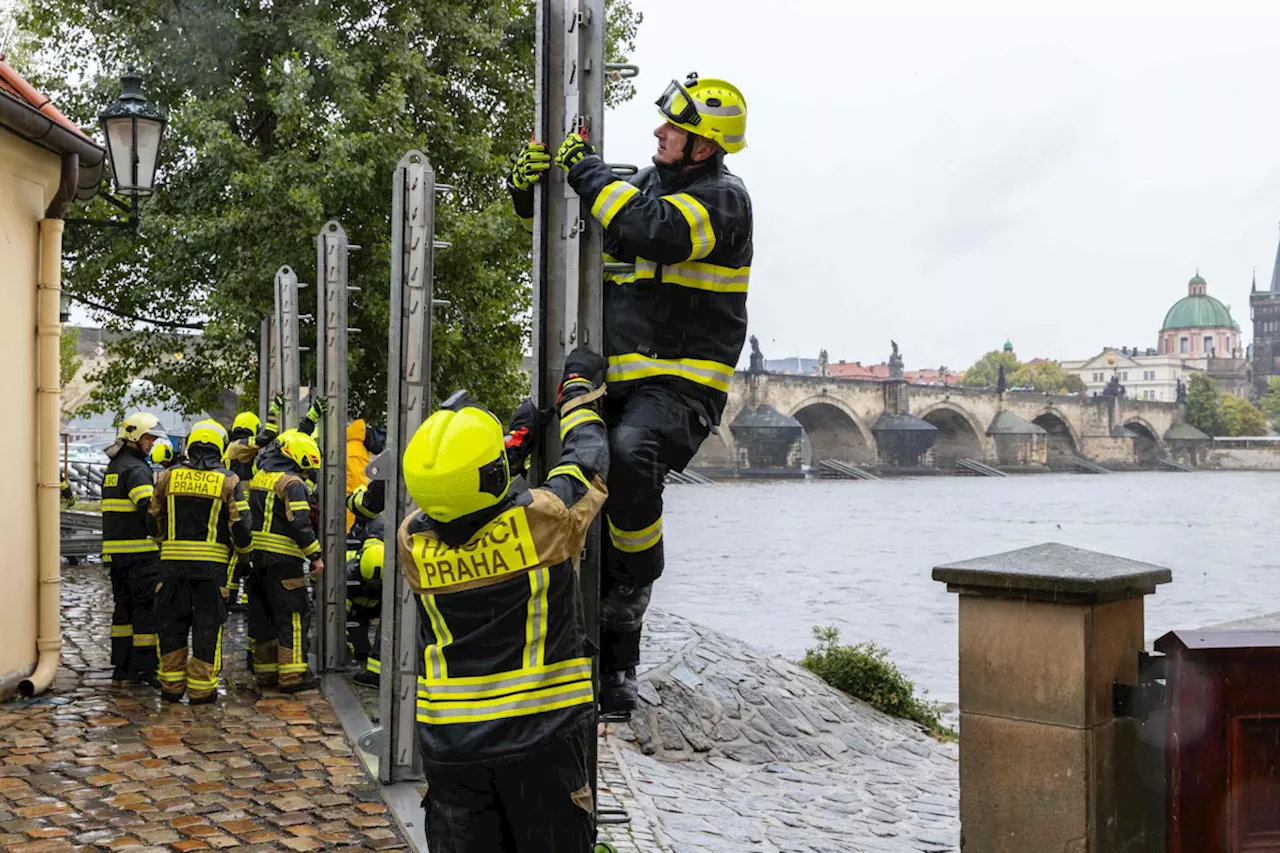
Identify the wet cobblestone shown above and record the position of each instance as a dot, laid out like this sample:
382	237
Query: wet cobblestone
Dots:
91	767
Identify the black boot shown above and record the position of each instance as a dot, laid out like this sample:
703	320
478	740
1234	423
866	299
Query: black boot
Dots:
308	682
204	700
619	691
367	678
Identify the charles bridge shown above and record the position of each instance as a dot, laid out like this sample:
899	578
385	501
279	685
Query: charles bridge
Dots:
891	424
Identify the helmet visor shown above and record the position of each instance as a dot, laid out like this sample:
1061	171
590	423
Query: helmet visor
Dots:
678	105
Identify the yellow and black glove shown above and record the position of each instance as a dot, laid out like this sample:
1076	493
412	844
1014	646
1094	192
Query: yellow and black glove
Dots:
530	163
573	149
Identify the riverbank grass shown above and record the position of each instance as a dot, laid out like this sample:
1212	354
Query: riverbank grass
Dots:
865	672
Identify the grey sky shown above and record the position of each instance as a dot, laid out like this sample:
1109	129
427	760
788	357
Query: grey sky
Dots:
950	175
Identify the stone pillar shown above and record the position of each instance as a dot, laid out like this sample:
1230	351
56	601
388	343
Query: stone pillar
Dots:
1044	763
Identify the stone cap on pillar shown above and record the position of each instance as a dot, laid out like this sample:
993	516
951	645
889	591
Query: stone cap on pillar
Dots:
1053	572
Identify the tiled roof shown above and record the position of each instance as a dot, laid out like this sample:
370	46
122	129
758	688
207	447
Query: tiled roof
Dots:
13	83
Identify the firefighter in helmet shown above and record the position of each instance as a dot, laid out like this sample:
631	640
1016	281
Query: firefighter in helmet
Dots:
364	604
673	328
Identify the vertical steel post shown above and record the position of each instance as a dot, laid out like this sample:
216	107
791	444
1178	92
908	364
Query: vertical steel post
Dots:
408	402
287	335
332	249
264	367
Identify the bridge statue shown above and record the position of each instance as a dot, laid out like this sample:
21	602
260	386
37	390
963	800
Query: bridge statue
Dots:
824	365
895	362
757	357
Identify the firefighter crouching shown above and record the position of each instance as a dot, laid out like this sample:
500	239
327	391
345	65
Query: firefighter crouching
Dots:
129	551
283	539
199	515
364	604
505	699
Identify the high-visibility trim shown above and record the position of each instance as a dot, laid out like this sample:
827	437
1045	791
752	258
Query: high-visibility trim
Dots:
143	492
632	366
578	417
118	505
704	276
129	546
435	712
436	665
243	551
200	684
635	541
217	658
300	506
173	676
535	624
118	631
277	543
242	506
527	222
214	552
266	667
296	618
312	549
211	529
145	640
293	667
569	470
611	199
505	683
702	235
373	665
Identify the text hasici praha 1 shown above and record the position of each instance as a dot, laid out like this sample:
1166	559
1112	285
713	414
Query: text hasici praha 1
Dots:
506	547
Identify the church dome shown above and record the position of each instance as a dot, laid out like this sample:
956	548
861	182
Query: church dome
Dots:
1198	310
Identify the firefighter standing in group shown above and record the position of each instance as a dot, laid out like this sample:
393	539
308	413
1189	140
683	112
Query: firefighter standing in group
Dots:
505	699
200	516
283	539
129	550
673	329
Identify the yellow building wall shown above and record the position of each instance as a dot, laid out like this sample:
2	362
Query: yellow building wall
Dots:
28	181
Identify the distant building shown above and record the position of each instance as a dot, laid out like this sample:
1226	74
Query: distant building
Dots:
1199	326
1264	310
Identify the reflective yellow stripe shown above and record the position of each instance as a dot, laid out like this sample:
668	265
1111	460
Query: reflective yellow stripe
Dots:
118	505
703	276
527	222
436	666
520	705
242	506
569	470
635	541
505	683
121	631
198	684
299	506
145	640
632	366
182	550
578	417
611	199
211	530
535	626
173	675
266	667
701	234
373	665
312	549
129	546
138	493
278	544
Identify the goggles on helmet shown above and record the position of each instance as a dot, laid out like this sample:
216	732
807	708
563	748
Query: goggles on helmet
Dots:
678	105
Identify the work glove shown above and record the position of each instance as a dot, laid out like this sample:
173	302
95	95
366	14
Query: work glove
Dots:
584	373
318	409
573	149
277	404
529	165
524	432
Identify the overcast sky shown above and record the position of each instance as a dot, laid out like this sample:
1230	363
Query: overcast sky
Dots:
950	174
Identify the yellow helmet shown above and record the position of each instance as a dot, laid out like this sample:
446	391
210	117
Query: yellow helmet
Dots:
247	420
208	432
138	424
371	556
301	448
708	107
161	453
456	463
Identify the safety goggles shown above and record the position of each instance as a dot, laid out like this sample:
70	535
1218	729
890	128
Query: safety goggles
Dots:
678	105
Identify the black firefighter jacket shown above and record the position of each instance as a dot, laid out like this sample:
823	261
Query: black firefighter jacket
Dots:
200	517
127	488
281	508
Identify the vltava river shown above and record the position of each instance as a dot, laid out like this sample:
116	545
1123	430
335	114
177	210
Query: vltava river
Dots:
766	561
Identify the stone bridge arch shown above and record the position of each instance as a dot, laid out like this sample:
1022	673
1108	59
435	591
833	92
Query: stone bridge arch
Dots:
1063	440
1148	444
834	430
960	436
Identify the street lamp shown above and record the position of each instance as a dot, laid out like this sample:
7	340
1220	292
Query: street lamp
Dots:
133	128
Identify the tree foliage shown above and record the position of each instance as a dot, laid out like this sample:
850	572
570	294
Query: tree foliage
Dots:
1270	402
985	372
69	360
283	115
1237	416
1046	377
1202	404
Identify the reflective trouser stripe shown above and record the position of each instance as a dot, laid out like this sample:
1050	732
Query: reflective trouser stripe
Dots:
635	541
144	640
519	705
297	662
119	631
632	366
373	665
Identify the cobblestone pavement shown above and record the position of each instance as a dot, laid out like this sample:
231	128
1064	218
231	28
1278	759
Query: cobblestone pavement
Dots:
93	767
736	750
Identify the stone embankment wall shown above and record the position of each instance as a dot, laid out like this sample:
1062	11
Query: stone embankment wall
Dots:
1240	454
734	749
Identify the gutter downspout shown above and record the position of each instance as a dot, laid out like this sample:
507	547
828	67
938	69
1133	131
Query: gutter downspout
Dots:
48	420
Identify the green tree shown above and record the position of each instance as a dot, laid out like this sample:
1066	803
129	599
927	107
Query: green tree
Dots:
69	360
1047	377
1202	404
283	115
1074	384
1238	416
1271	402
985	372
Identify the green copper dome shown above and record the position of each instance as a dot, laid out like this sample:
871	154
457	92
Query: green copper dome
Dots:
1200	311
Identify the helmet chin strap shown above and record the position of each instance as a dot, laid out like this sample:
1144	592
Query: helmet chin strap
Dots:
686	158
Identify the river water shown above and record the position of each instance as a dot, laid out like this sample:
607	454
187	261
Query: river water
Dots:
765	561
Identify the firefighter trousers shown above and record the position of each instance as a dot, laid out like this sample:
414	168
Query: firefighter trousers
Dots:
358	636
133	615
652	430
263	642
190	608
283	584
540	802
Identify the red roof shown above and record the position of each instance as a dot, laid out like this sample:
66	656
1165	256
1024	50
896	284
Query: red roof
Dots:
13	83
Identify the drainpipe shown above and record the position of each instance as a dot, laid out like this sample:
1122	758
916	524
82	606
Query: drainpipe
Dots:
48	421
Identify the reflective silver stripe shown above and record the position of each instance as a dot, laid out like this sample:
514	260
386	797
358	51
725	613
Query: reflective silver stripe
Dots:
539	580
510	684
634	366
701	235
734	138
732	110
611	199
489	710
708	277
